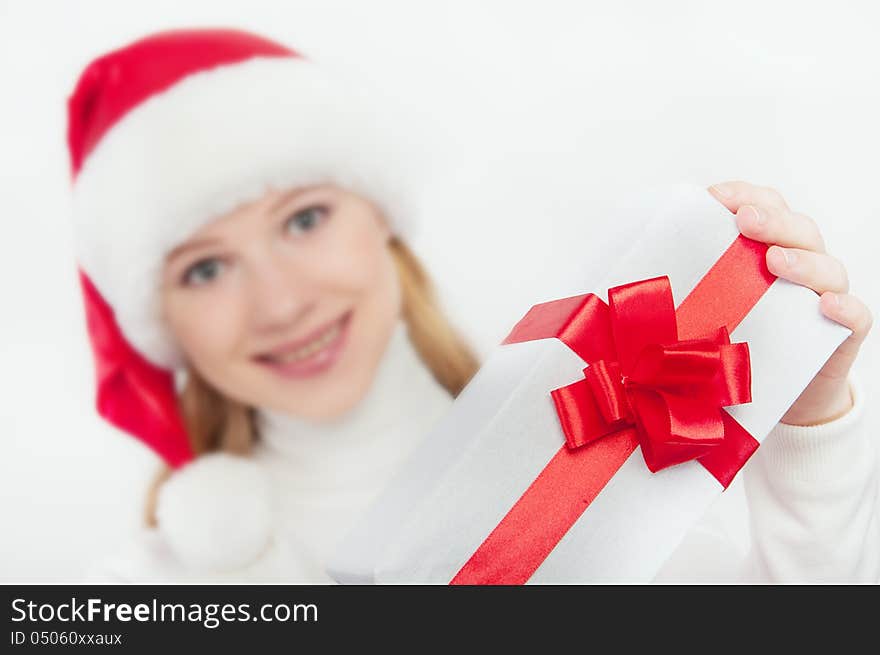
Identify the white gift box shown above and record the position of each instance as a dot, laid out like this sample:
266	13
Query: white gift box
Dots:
503	429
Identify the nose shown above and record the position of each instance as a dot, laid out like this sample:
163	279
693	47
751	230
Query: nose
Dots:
280	295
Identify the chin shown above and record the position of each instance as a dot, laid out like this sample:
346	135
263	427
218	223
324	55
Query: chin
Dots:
323	398
322	409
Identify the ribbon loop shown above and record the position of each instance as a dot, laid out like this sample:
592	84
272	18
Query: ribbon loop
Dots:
606	384
641	313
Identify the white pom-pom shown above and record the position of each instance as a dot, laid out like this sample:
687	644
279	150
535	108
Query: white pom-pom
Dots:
215	512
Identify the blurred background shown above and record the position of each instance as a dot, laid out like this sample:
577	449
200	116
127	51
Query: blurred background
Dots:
540	116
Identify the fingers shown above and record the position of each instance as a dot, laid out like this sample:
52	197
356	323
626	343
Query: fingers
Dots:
784	228
850	312
736	193
763	215
818	271
797	253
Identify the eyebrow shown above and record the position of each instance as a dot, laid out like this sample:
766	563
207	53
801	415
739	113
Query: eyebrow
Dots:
190	245
290	195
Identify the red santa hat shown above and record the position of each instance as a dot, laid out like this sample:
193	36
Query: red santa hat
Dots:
170	132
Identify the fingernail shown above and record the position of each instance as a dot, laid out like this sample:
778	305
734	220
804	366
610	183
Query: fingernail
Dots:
722	190
836	297
790	257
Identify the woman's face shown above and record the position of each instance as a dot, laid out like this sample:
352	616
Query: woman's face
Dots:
287	303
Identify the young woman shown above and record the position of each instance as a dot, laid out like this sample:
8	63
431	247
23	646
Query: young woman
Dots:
257	320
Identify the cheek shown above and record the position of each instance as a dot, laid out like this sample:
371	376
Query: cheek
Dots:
206	324
356	259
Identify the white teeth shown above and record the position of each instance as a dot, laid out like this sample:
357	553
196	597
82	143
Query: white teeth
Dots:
310	348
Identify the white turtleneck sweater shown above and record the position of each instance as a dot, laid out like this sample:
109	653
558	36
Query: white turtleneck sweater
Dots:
804	509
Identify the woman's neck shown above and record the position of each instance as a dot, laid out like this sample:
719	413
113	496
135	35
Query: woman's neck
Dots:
359	450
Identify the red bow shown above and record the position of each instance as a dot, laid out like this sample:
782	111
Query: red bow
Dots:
670	391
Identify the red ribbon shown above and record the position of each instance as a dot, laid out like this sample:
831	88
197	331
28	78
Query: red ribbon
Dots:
652	365
670	390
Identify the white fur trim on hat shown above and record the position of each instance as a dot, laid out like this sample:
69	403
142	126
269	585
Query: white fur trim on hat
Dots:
214	140
216	513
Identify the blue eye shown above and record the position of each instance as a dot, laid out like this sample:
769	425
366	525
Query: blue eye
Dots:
203	271
305	220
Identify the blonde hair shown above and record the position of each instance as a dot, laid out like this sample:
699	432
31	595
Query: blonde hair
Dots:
216	423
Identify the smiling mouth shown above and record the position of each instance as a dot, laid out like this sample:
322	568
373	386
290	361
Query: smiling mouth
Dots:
313	354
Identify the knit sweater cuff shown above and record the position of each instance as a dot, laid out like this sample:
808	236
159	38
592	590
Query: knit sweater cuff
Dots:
810	453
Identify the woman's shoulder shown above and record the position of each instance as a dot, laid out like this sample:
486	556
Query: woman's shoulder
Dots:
148	558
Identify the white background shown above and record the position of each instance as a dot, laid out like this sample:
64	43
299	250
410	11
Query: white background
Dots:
542	113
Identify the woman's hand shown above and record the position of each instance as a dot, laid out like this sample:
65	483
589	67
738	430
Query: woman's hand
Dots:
798	254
